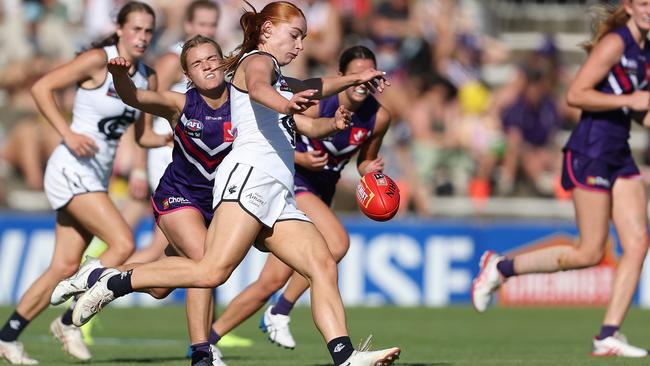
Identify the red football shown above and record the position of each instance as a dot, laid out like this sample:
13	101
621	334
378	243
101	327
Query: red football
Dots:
378	196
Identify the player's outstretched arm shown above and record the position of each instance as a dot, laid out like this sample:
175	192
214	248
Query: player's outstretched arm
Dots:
323	127
369	159
326	86
166	104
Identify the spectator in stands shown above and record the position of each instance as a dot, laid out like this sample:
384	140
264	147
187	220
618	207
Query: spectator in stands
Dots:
435	150
529	124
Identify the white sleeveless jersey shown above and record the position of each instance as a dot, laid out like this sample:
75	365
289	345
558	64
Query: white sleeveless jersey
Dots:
160	125
101	114
265	139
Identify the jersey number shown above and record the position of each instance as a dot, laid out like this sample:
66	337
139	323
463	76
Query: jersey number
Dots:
290	127
114	127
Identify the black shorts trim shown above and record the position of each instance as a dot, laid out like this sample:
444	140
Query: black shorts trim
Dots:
243	208
241	190
227	182
294	219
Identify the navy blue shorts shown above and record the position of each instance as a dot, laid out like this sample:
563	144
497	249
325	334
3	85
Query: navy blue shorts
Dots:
325	190
581	171
166	199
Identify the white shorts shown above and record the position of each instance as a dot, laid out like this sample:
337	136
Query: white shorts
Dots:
67	176
157	161
259	194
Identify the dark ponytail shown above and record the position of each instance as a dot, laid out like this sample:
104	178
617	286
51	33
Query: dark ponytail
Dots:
122	16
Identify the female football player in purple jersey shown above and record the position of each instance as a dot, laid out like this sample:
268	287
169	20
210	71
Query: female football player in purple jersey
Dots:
318	168
600	171
78	171
253	195
182	202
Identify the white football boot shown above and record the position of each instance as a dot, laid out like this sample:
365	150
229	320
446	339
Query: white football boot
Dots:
71	339
277	327
364	357
216	356
15	354
75	284
94	299
616	345
487	281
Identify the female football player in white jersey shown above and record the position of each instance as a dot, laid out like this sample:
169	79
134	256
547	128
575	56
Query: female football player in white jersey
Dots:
76	178
318	168
253	192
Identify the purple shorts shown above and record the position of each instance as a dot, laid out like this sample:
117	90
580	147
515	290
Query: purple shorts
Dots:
581	171
322	189
166	199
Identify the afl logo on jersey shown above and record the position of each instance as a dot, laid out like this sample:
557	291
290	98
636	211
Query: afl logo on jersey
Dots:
228	133
283	85
358	135
194	128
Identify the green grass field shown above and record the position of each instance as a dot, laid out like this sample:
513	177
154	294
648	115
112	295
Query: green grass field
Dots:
428	337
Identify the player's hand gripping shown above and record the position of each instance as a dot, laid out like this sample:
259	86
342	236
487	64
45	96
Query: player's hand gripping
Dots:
640	101
342	118
300	102
373	79
82	146
376	165
118	66
312	160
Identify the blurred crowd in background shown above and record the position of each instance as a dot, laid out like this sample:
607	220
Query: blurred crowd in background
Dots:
462	126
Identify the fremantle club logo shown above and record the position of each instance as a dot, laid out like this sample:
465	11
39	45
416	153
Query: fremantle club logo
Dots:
358	135
113	127
228	132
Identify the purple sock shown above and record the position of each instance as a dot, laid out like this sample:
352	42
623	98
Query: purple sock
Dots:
282	307
94	276
214	337
506	267
66	318
200	351
607	331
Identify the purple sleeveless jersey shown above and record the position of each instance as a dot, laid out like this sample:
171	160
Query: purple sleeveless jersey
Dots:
598	151
202	138
604	135
339	147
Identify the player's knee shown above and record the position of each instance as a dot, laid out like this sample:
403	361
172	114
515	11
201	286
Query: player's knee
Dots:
214	276
62	269
324	267
271	284
592	257
123	247
340	247
639	247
